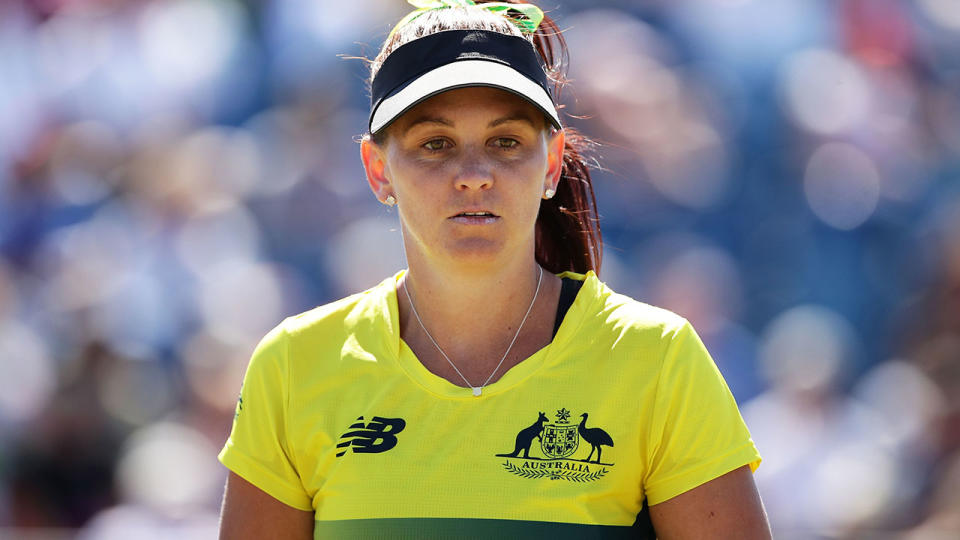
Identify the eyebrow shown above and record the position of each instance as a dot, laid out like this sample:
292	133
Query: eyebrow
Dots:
513	117
427	120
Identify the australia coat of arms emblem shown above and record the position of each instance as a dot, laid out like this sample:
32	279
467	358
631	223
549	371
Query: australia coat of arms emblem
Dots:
559	442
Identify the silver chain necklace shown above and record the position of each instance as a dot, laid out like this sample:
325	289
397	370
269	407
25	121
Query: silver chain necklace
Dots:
477	390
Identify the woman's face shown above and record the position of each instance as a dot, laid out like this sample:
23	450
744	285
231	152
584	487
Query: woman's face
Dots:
468	169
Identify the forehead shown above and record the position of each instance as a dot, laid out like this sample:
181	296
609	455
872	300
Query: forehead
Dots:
465	104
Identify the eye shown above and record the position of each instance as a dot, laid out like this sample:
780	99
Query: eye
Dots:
505	142
435	145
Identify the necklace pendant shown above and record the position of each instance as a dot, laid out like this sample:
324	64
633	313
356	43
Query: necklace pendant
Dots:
476	391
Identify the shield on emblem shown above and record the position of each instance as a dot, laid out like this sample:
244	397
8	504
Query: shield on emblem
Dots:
559	440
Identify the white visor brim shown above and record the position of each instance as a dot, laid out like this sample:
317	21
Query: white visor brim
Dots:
465	73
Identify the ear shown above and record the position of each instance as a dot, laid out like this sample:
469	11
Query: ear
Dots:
375	164
555	145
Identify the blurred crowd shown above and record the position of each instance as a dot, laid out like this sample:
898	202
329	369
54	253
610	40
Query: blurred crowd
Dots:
177	176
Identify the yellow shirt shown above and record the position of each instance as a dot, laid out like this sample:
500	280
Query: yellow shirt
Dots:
623	408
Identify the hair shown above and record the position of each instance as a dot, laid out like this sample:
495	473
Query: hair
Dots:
567	230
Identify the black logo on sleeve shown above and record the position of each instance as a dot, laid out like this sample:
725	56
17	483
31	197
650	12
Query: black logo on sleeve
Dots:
239	407
378	435
558	444
236	412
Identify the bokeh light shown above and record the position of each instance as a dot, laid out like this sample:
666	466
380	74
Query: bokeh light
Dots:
188	42
364	253
825	92
166	466
854	485
26	374
701	284
806	348
942	12
842	185
239	300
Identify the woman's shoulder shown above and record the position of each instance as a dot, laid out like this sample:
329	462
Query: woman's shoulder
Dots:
640	315
622	312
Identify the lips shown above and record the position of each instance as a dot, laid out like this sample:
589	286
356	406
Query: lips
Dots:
475	217
477	213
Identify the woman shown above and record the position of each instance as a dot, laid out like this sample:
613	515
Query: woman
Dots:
496	386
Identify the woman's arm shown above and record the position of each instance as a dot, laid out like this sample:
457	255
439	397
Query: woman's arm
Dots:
249	512
725	507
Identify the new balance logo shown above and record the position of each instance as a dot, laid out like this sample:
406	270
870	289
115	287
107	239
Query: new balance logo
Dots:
378	435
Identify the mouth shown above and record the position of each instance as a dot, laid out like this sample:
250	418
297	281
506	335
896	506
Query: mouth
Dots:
477	217
481	213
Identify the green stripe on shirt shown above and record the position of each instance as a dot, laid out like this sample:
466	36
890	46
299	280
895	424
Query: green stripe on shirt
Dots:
397	528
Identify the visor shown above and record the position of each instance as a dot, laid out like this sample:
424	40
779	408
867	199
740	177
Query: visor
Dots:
433	64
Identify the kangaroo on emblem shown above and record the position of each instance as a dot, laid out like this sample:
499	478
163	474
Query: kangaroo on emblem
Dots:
526	436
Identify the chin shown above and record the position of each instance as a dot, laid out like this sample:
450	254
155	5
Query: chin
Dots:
476	251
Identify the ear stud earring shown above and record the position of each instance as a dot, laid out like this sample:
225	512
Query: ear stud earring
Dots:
549	193
390	200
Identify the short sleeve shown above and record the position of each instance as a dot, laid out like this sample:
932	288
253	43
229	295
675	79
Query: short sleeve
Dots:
696	431
258	449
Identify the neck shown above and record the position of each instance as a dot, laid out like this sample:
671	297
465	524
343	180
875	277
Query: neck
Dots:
473	316
450	302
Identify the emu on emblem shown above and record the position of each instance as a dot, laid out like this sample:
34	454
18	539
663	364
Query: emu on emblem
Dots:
559	440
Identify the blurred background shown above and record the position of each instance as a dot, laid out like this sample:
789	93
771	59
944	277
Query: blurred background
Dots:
178	176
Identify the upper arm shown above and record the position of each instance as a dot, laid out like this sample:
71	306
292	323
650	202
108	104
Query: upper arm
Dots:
261	447
725	507
695	432
249	512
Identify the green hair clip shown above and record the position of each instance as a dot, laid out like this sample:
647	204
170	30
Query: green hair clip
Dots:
532	15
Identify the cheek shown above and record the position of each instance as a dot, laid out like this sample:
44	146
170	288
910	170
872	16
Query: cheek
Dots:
528	194
535	171
412	172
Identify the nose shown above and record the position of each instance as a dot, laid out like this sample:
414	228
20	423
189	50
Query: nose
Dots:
474	174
